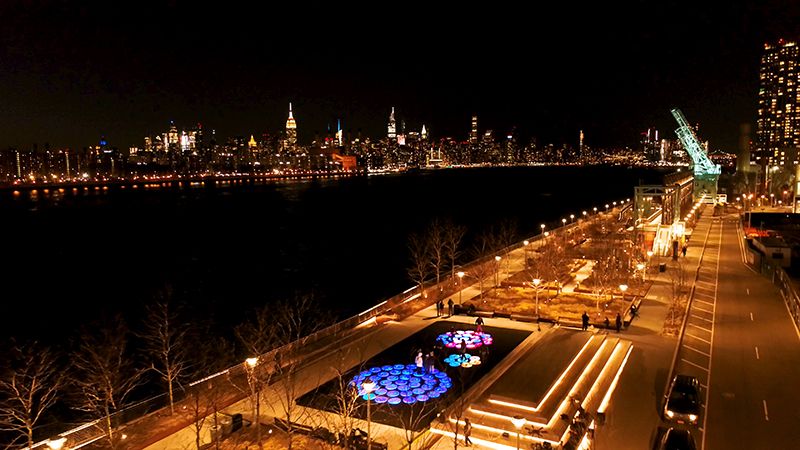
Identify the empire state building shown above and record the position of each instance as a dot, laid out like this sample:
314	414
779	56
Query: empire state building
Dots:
291	131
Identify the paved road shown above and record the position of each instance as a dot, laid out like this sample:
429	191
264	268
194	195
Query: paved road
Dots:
753	395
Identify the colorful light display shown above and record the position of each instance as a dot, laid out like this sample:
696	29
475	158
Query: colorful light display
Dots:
466	360
472	338
402	384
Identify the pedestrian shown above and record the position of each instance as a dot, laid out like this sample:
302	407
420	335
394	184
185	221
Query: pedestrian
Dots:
607	323
683	250
438	311
467	431
463	347
585	321
479	325
430	360
418	362
450	307
441	308
618	322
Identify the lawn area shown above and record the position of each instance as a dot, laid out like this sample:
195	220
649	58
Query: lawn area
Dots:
570	307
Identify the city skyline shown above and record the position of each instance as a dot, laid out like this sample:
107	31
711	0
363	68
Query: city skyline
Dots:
76	72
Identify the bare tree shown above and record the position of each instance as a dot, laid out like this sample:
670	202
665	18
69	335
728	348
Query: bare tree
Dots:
437	242
29	386
419	252
483	247
164	338
453	234
211	356
344	399
105	375
677	275
294	320
414	420
258	336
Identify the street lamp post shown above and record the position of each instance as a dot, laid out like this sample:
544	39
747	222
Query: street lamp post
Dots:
542	227
640	267
623	288
536	283
460	286
250	365
525	244
497	271
368	386
571	218
518	422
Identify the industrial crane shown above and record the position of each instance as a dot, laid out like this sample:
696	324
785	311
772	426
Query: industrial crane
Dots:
706	173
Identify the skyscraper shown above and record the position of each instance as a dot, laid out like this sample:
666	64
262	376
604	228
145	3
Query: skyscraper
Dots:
778	130
391	128
473	133
291	131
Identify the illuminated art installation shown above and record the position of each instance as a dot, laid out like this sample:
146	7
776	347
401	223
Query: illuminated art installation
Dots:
473	339
402	384
466	360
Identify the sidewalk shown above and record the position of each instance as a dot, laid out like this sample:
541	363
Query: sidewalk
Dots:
635	414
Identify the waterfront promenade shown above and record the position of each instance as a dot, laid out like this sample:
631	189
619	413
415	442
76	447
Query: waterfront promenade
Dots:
633	417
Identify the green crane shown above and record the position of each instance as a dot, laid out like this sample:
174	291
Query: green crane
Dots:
706	173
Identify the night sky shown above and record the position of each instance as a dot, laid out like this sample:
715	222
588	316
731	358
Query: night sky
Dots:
71	71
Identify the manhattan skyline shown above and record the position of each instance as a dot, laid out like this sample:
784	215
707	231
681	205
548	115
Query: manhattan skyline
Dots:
75	71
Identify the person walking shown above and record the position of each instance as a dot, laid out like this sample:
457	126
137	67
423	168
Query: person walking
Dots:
418	362
450	307
467	431
683	250
618	322
479	325
607	323
430	360
585	321
438	309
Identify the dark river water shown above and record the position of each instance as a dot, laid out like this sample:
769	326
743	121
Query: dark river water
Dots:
70	259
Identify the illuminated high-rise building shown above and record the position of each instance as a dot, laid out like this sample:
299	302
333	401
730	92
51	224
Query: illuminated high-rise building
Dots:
424	133
172	138
339	133
473	133
391	128
291	131
778	131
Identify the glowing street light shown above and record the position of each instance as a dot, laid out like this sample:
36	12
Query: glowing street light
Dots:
595	209
368	386
250	365
56	444
518	422
497	270
571	218
460	286
623	288
536	283
640	268
542	227
525	246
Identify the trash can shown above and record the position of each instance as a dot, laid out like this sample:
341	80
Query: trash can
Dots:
662	267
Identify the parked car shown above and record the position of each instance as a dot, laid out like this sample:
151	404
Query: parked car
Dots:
682	404
677	439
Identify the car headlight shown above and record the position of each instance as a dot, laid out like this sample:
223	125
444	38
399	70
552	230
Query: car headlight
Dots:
670	414
692	417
